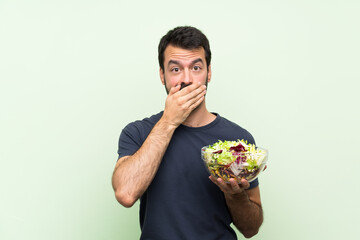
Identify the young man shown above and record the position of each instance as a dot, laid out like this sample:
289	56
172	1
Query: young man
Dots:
160	161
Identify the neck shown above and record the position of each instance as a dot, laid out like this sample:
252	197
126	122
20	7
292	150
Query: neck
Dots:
199	117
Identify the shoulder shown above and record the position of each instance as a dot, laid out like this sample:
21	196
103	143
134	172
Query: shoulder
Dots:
148	121
135	133
144	126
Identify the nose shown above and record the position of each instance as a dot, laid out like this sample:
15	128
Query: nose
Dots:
187	77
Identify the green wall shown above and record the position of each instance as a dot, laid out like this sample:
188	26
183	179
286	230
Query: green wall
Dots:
74	73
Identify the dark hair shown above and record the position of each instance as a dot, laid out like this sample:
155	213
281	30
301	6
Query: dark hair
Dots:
187	38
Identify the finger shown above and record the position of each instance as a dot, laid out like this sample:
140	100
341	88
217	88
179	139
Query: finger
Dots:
192	94
196	101
175	89
223	185
244	183
199	91
213	179
192	87
192	90
234	185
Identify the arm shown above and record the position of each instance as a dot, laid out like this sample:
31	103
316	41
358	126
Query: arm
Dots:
244	205
133	174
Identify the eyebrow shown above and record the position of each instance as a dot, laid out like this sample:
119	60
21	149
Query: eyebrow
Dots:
178	63
197	60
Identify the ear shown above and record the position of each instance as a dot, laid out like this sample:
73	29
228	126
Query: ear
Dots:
161	72
209	73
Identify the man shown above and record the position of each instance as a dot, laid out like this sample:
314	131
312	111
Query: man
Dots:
160	161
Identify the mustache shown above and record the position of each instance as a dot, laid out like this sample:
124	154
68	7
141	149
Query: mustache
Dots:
184	85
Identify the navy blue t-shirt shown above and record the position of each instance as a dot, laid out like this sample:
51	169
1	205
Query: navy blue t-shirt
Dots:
181	202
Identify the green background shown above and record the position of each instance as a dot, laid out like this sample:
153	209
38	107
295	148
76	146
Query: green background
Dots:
74	73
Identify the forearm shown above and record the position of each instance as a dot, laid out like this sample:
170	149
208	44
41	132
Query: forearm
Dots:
247	215
133	175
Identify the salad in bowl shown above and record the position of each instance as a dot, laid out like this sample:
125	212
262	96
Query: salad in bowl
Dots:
234	159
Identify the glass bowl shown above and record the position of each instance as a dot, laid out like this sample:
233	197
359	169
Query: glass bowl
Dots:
247	165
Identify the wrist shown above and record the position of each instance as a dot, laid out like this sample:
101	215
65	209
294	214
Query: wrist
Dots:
166	124
241	196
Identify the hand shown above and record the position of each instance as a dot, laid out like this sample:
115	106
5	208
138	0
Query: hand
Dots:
180	103
231	188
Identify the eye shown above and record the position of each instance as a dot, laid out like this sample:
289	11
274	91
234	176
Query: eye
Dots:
175	69
196	68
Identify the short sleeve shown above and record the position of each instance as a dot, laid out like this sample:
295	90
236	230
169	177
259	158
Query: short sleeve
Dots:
251	140
129	141
254	184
